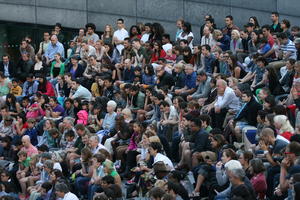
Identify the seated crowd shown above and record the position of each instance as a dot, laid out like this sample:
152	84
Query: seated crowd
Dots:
134	114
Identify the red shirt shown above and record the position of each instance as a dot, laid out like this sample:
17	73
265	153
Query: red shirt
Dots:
271	40
259	184
155	57
287	135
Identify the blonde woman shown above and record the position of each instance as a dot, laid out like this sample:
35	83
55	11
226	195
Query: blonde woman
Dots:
283	126
127	115
236	42
108	34
100	49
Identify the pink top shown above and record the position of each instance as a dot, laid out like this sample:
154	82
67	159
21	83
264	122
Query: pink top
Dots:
31	150
132	144
259	184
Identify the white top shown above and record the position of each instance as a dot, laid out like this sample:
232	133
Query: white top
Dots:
100	146
57	166
70	196
120	34
207	40
145	37
160	157
82	93
227	98
186	37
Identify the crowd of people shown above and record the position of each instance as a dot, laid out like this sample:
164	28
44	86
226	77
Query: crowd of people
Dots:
133	114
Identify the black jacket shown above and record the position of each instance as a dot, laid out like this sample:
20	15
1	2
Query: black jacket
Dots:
165	80
202	142
11	68
249	112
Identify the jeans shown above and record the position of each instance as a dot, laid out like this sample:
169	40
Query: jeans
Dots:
81	185
92	189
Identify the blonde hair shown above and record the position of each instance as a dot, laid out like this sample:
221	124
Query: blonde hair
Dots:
154	139
216	34
236	32
284	123
127	111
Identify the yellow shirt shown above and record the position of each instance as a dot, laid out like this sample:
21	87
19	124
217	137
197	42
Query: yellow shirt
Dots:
17	91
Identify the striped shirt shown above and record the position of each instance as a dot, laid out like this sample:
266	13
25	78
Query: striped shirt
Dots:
289	47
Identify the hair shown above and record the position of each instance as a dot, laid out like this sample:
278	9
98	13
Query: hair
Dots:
156	146
257	165
49	164
207	47
230	17
70	133
220	140
248	155
287	23
156	192
270	100
275	13
238	173
282	36
61	187
90	25
132	27
267	27
112	103
263	60
237	32
256	24
188	27
230	153
233	164
108	179
150	70
285	124
267	132
99	157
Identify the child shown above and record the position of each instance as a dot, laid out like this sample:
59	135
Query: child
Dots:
83	114
24	163
70	138
31	131
16	89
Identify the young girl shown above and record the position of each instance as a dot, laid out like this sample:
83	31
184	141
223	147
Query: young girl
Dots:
133	146
148	76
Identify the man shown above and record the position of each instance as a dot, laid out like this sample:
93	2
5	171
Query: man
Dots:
95	144
44	44
207	37
54	110
297	46
247	115
203	88
25	66
163	78
287	47
266	29
119	36
30	86
168	121
275	27
53	48
229	26
85	52
155	150
295	30
62	191
272	147
7	66
206	17
190	82
226	100
200	142
137	99
139	52
57	29
80	91
208	59
91	36
128	73
28	147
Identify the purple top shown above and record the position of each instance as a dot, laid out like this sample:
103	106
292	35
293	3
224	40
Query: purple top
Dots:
132	143
60	109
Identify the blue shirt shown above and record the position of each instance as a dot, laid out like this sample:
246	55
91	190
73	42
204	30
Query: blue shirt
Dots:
208	62
32	133
30	88
128	75
190	80
53	49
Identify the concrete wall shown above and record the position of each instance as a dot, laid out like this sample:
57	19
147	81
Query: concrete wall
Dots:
76	13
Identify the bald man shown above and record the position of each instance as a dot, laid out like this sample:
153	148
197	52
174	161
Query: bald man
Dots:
54	47
226	100
28	147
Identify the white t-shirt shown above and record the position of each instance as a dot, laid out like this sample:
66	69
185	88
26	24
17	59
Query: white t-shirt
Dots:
160	157
145	37
70	196
186	37
120	34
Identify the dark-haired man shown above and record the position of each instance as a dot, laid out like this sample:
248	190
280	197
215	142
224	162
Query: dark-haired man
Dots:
7	66
229	26
91	36
275	27
119	36
80	91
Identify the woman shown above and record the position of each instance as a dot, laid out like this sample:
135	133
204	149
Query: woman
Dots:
236	71
158	52
245	159
57	67
14	107
283	126
5	86
157	32
83	176
97	87
254	21
236	45
187	34
217	143
39	67
108	34
227	155
75	69
253	44
47	139
135	32
26	48
45	87
100	49
258	180
37	110
148	76
61	89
